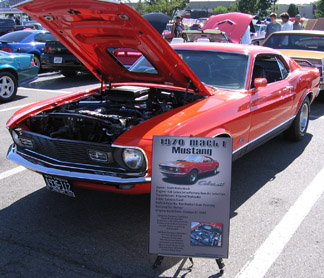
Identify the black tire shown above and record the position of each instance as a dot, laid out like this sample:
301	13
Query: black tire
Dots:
8	86
192	176
37	62
215	170
69	73
297	130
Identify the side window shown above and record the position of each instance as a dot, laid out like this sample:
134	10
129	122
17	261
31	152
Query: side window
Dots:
284	69
266	66
38	38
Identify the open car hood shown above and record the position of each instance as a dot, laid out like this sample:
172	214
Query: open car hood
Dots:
233	24
93	29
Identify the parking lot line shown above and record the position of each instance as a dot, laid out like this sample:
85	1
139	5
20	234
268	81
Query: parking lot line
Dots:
45	90
269	251
11	172
13	108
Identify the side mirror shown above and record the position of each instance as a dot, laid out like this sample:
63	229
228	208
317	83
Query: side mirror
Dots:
260	82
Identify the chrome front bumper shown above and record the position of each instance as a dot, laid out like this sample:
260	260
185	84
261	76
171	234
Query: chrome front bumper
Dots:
80	174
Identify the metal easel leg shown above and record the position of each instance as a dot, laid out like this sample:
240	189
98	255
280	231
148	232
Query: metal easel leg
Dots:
221	265
158	261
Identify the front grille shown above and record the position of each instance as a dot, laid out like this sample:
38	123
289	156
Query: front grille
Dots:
68	151
168	168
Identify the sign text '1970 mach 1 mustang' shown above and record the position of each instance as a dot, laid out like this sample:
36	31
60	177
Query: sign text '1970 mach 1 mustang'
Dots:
102	138
189	167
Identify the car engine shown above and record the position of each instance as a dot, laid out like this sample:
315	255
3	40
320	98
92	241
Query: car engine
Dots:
206	235
104	116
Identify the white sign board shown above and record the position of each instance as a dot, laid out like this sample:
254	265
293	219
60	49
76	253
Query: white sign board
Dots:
190	196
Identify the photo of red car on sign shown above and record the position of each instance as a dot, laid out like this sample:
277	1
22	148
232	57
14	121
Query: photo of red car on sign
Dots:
189	168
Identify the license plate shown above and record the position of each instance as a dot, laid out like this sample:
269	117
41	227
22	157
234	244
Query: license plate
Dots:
58	185
58	60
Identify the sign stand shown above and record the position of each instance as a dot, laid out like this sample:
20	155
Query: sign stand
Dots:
219	261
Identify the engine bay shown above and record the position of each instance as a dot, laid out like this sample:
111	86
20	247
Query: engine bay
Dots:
103	116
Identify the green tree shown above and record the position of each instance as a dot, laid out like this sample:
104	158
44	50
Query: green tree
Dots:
319	11
292	10
220	10
169	7
256	7
140	7
233	8
265	6
247	6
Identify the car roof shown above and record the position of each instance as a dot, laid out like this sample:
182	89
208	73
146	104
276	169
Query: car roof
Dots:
300	32
228	47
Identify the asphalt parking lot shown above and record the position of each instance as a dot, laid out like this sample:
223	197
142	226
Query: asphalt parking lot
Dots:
277	211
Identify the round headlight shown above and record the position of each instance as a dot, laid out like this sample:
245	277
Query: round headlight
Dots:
133	158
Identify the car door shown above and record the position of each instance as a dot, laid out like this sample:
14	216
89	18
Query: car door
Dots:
206	164
271	105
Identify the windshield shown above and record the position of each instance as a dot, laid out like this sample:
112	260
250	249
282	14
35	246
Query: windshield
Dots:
15	36
218	69
193	158
296	41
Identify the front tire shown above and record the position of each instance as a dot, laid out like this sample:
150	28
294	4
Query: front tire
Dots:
37	62
297	130
8	86
192	176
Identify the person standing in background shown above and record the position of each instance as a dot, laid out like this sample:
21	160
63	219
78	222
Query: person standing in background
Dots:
286	26
177	28
297	25
274	26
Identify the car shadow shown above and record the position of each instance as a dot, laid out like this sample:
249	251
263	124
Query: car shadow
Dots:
17	98
255	169
100	234
316	109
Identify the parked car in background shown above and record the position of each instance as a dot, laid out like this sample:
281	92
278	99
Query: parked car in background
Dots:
189	168
56	57
306	47
26	41
6	25
167	32
33	24
233	24
102	138
259	35
198	23
29	26
15	70
208	35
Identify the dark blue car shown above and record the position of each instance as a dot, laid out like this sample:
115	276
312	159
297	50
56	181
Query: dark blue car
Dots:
26	41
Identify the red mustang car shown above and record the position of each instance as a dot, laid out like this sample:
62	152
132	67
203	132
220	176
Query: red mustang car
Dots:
102	138
189	167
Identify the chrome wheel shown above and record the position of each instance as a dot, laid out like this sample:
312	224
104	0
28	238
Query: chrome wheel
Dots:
192	176
303	119
298	128
37	62
8	86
